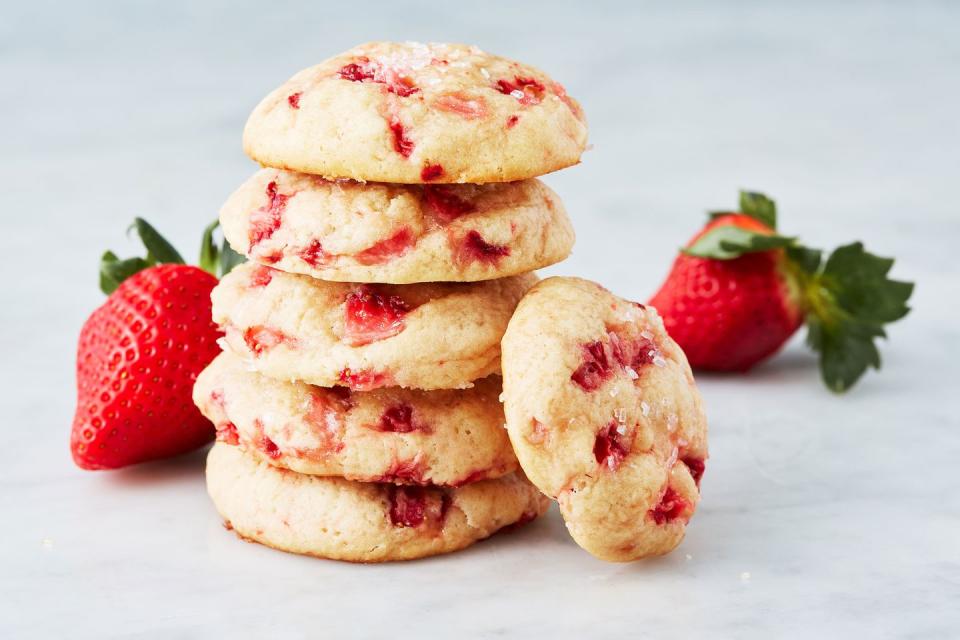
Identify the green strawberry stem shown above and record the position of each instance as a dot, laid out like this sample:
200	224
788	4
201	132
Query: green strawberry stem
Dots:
846	301
217	261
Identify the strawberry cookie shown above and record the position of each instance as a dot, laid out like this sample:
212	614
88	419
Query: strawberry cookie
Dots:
604	416
423	336
418	113
355	232
402	436
356	521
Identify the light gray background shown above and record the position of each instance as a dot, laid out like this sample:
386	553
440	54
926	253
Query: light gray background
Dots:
821	515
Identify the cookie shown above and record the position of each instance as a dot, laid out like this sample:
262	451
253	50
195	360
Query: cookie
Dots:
403	436
421	336
357	521
417	113
374	232
604	415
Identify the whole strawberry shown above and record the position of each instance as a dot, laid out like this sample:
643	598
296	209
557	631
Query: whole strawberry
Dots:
739	290
139	354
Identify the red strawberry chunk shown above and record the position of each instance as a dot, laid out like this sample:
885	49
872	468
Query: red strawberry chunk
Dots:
267	219
408	506
473	248
365	69
671	506
227	433
294	99
512	121
612	445
393	247
261	338
462	104
401	143
632	353
357	71
445	205
595	369
399	419
364	379
431	172
528	91
314	255
405	472
696	466
263	442
372	316
269	447
261	276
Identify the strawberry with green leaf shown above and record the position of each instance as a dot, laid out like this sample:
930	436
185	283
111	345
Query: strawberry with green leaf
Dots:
140	352
739	290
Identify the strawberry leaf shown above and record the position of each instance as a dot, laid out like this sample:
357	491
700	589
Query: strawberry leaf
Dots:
229	258
859	282
759	206
727	242
713	215
158	249
805	258
209	252
849	299
113	271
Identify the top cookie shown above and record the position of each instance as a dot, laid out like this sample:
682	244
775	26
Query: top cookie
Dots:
604	415
415	113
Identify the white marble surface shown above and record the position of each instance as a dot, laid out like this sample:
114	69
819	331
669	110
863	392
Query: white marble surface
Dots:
822	516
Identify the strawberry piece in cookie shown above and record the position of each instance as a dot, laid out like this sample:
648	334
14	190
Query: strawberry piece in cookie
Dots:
604	415
527	91
445	437
366	336
392	79
360	521
388	233
372	315
261	338
386	250
392	112
462	104
473	248
265	221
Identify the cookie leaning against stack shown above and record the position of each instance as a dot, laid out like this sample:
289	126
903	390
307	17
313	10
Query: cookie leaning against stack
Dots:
356	403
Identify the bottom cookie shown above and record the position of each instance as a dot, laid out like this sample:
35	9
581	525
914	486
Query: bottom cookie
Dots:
360	522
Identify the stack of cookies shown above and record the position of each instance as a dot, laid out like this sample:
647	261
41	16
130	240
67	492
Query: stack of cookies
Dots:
390	236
